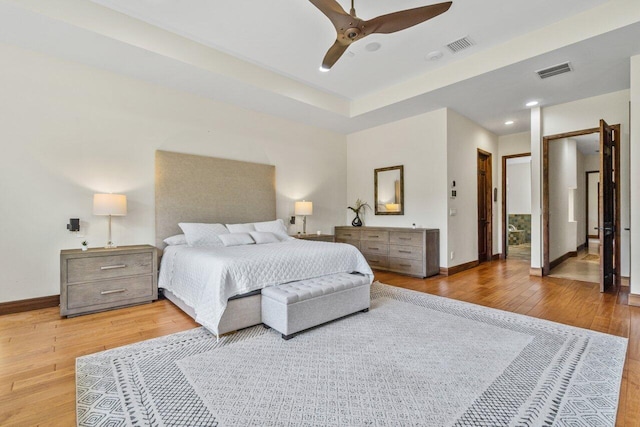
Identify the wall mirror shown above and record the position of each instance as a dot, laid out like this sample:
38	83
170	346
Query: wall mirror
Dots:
389	190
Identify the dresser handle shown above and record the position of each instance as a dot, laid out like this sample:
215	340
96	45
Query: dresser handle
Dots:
405	252
375	237
114	291
404	238
405	265
373	249
111	267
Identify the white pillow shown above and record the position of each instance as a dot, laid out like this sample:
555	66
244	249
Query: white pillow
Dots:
198	234
236	239
241	228
264	237
178	239
276	227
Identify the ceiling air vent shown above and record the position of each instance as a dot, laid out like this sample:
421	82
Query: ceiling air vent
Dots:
459	45
555	70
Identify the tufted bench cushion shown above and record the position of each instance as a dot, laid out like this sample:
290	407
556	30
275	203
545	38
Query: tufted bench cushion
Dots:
293	307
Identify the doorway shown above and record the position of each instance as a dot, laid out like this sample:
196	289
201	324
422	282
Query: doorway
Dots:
516	207
608	165
485	208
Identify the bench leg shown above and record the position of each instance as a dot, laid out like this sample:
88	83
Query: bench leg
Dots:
366	310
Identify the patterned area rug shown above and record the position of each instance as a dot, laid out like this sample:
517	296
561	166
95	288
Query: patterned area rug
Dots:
414	359
591	257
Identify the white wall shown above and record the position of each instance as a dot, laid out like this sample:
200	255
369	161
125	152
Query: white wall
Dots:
581	200
586	114
419	144
592	224
464	137
70	130
519	186
634	159
562	178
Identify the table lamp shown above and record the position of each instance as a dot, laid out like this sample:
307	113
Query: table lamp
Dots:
111	205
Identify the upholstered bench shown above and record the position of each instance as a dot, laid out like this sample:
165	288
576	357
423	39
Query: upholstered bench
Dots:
296	306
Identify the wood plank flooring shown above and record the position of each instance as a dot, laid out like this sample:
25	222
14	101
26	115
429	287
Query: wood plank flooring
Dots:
38	349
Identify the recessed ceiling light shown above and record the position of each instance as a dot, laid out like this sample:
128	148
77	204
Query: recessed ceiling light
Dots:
509	122
532	103
373	46
434	56
350	54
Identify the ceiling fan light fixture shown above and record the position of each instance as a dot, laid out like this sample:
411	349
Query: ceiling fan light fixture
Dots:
324	69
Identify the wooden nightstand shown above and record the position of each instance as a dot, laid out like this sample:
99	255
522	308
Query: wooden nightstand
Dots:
101	279
316	237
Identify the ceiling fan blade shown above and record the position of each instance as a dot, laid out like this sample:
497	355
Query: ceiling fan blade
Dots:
333	54
397	21
336	14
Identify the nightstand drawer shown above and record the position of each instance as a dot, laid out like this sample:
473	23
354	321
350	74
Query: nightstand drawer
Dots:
377	261
109	291
408	252
406	238
347	234
108	267
406	266
374	247
375	236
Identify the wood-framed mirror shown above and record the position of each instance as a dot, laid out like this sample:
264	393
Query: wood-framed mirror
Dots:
389	190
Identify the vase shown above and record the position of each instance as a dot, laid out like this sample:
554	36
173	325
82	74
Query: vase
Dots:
357	222
84	248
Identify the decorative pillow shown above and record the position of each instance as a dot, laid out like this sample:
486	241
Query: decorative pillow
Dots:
264	237
198	234
178	239
241	228
236	239
276	227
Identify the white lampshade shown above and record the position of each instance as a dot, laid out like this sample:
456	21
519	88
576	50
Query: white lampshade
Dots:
109	204
304	208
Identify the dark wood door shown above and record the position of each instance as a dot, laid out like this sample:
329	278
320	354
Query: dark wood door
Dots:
484	206
607	207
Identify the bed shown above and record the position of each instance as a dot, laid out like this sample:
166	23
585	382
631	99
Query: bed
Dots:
220	286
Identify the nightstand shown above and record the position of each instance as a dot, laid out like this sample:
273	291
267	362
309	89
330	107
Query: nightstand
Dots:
101	279
316	237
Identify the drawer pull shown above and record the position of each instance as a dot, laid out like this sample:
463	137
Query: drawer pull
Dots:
373	249
112	267
375	237
405	252
114	291
405	265
404	238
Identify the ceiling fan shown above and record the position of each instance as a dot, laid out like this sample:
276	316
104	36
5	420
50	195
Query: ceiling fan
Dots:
350	28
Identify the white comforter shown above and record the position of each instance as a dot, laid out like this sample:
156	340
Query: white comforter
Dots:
206	277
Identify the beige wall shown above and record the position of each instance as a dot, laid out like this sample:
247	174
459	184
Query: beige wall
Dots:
419	144
70	130
634	158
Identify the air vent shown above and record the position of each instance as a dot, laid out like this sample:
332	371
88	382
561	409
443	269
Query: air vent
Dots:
555	70
459	45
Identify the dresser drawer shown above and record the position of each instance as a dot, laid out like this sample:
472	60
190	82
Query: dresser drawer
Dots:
367	247
377	261
347	234
406	266
355	243
375	236
108	267
405	238
109	292
407	252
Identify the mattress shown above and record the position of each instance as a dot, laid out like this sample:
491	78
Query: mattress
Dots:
205	278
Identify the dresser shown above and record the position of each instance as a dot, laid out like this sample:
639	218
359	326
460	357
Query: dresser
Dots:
100	279
410	251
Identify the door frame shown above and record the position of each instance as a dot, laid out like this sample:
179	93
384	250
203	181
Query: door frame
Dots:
489	201
505	236
545	194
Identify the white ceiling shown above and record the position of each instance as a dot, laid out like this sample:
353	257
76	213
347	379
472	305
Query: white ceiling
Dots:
589	145
264	55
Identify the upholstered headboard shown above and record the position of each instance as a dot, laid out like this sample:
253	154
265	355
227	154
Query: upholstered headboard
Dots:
207	189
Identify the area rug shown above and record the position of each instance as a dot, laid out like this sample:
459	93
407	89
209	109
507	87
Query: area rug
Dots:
413	359
591	257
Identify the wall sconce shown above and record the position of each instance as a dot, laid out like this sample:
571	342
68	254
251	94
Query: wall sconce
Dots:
303	209
111	205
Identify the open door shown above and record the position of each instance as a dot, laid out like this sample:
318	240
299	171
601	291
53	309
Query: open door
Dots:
608	211
485	245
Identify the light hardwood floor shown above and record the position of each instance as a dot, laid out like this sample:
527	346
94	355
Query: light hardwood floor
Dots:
38	348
